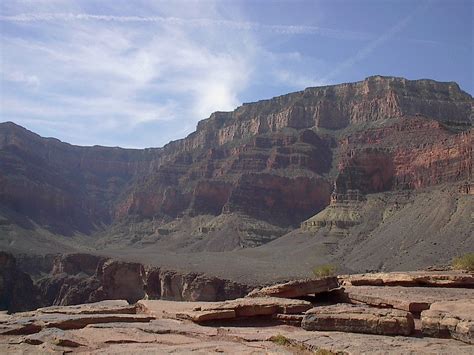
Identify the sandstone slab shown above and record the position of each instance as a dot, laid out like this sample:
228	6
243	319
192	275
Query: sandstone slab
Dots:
411	299
80	321
262	306
209	315
359	319
297	288
170	309
412	278
103	307
453	319
30	323
209	311
358	343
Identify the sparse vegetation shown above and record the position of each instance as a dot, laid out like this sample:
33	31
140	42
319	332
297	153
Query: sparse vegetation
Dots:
324	270
464	262
280	340
324	352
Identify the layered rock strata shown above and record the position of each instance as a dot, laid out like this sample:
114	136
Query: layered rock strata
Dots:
450	319
297	288
359	319
285	154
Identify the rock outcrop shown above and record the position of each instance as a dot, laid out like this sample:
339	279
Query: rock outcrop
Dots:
359	319
453	319
411	299
297	288
252	324
17	291
172	285
414	278
84	278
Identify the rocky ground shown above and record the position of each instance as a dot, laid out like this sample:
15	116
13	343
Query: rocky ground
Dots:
413	312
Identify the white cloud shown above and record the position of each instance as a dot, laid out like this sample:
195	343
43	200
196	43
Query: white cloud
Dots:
101	74
21	78
191	22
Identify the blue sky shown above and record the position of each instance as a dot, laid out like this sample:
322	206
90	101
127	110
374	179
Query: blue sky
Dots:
141	73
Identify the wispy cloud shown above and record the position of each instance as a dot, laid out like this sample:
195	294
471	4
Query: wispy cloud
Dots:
104	74
192	22
372	46
20	78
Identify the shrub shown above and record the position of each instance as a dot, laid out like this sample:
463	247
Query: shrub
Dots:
324	352
280	340
324	270
464	262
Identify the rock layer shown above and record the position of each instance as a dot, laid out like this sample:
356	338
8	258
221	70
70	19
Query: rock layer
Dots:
411	299
359	319
450	319
297	288
414	278
283	154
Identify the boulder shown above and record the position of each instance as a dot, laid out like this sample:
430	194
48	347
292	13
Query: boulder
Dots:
453	319
413	278
411	299
359	319
297	288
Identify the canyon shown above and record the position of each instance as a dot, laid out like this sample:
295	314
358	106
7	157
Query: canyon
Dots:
371	175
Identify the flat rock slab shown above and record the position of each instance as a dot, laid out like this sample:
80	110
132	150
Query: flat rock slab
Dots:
103	307
453	319
183	337
261	306
411	299
357	343
80	321
414	278
55	336
297	288
359	319
19	326
22	325
212	311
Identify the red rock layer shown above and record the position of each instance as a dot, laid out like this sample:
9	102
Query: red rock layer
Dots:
274	159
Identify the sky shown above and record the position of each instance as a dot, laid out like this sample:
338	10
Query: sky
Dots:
141	73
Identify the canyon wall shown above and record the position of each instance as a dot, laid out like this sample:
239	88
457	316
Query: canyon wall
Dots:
277	160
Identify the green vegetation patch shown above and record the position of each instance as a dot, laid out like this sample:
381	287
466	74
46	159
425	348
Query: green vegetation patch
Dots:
280	340
464	262
325	270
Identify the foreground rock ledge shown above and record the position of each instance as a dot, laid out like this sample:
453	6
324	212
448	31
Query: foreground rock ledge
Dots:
297	288
110	333
359	319
453	319
413	278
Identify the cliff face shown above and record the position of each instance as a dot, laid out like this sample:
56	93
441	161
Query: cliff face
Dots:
410	153
276	160
64	187
83	278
